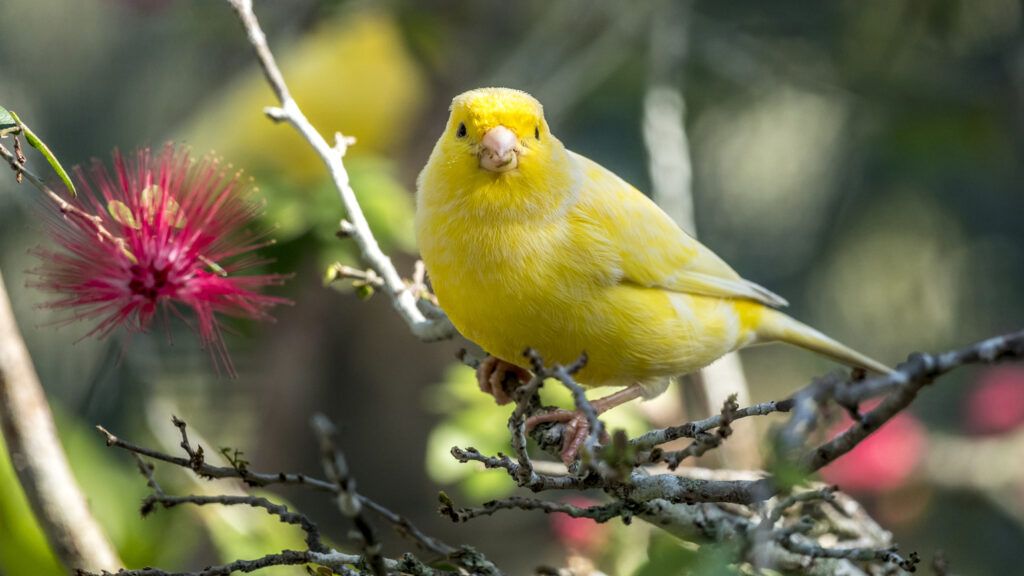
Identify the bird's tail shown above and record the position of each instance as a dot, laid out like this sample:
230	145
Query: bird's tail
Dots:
777	326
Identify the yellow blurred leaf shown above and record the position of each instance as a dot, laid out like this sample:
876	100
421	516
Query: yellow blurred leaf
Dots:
352	74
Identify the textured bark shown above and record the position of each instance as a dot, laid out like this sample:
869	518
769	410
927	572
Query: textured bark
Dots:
37	456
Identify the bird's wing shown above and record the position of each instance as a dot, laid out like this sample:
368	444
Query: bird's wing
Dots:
652	250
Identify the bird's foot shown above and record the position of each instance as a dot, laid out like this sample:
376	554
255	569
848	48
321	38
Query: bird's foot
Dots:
577	429
498	378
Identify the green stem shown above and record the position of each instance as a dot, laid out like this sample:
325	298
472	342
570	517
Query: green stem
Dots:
45	151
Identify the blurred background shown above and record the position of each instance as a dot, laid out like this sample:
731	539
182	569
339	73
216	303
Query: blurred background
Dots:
861	158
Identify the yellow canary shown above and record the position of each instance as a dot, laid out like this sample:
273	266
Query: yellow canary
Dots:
528	244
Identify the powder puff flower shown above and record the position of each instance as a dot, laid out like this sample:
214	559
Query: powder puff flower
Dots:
165	232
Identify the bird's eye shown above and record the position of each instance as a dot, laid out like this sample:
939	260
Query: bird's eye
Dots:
536	132
461	132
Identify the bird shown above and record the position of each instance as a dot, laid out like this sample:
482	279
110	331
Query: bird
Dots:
529	245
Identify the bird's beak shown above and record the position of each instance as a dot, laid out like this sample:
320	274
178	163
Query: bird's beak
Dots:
499	150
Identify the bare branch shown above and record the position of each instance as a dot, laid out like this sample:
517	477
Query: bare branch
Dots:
279	510
600	513
348	500
205	470
403	299
405	528
653	438
338	562
526	401
919	371
703	442
340	483
826	494
796	543
40	463
536	482
746	509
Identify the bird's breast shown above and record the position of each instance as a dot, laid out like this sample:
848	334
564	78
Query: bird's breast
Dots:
554	289
505	286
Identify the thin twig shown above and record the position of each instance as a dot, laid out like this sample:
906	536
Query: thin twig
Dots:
146	469
338	562
349	503
341	483
262	479
279	510
526	399
600	513
703	441
564	375
66	208
919	371
205	470
804	547
579	397
404	527
536	482
404	300
653	438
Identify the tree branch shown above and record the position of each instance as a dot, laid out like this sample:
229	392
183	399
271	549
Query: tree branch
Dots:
348	500
653	438
403	299
750	509
35	450
908	379
340	483
601	513
279	510
338	562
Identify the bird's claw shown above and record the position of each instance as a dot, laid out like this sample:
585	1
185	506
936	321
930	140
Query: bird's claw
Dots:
577	429
492	376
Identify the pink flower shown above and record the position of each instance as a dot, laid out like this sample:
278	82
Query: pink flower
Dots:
165	232
582	535
996	404
883	461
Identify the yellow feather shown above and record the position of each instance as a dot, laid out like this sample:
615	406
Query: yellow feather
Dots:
561	255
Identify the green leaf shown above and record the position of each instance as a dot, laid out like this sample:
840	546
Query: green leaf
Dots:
8	125
45	151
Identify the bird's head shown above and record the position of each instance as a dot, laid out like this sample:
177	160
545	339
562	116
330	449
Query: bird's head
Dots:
497	129
498	148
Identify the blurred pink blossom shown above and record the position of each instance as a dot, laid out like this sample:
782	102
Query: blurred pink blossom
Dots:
996	404
882	462
582	535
